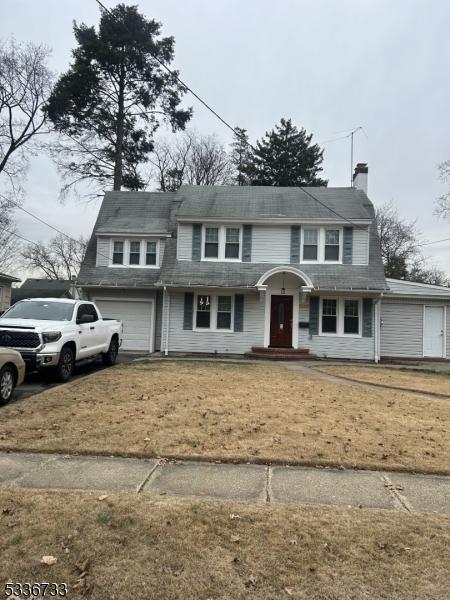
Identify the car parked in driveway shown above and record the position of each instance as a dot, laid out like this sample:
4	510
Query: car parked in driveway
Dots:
55	333
12	373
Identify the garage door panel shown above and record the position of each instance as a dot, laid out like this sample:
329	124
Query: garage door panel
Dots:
401	329
136	318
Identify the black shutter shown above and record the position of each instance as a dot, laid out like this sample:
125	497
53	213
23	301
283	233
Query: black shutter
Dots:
314	315
295	244
239	312
367	317
247	243
188	310
196	241
347	257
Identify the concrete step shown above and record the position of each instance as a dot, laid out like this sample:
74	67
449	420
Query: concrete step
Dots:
294	356
261	350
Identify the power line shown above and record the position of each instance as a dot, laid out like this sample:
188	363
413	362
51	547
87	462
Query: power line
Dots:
435	242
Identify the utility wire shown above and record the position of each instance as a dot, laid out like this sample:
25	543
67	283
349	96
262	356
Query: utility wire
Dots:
435	242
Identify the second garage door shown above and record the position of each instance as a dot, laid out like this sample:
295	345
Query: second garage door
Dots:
137	319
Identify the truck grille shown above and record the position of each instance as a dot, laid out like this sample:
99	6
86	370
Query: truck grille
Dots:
19	339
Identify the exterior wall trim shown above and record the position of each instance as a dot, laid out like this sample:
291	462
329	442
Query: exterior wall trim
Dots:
285	269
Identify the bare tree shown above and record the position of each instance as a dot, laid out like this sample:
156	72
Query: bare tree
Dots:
60	258
192	159
10	244
400	242
442	208
25	84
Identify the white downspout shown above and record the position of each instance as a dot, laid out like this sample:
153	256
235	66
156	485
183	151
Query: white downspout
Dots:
167	303
377	328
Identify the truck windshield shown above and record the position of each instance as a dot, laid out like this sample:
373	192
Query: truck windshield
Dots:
40	310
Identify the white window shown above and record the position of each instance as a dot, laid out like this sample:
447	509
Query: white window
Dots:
310	244
340	316
118	253
329	315
332	245
222	243
213	312
321	244
211	242
135	253
150	254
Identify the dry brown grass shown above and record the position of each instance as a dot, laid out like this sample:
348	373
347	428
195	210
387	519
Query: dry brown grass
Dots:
437	383
141	548
223	411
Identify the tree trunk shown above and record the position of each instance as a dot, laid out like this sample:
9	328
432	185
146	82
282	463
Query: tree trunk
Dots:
118	159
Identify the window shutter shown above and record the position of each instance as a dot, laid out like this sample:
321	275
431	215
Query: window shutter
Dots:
367	317
347	257
295	244
247	243
188	310
196	241
239	312
314	315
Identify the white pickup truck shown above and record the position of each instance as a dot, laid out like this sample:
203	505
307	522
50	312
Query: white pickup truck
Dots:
56	333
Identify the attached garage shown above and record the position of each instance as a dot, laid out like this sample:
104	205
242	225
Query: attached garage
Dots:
138	320
415	321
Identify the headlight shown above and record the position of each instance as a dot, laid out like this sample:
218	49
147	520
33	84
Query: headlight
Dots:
51	336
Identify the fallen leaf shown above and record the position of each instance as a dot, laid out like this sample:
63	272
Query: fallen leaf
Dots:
289	591
232	516
235	538
48	560
102	497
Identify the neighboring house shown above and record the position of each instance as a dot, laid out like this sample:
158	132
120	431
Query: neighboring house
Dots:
5	290
226	269
44	288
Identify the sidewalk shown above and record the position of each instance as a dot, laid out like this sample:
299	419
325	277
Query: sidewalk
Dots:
257	483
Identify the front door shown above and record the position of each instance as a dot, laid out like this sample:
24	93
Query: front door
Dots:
433	331
281	321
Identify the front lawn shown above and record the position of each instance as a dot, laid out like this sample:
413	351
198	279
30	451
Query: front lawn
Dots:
128	547
229	411
409	379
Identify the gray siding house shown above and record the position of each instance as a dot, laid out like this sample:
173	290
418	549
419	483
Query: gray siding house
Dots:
232	270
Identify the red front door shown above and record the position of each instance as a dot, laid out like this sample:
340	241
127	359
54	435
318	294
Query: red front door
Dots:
281	321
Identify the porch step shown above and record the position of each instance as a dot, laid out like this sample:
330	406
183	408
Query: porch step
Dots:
261	350
280	354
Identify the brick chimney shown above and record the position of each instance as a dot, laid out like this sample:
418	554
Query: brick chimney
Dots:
360	177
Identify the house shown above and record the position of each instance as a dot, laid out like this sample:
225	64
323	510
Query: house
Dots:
230	269
44	288
5	290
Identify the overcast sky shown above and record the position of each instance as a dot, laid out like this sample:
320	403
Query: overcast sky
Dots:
329	65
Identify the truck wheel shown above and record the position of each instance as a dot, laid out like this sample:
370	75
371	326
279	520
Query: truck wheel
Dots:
66	365
7	384
110	357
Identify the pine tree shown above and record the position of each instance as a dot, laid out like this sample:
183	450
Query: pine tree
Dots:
110	102
286	157
241	156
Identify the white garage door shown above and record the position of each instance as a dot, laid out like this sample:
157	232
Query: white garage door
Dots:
137	322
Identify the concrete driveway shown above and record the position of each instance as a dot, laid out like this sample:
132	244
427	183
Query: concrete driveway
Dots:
39	382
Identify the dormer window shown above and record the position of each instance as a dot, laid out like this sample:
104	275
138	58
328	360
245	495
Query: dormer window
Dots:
118	253
321	244
332	244
211	242
222	243
310	244
150	255
136	253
